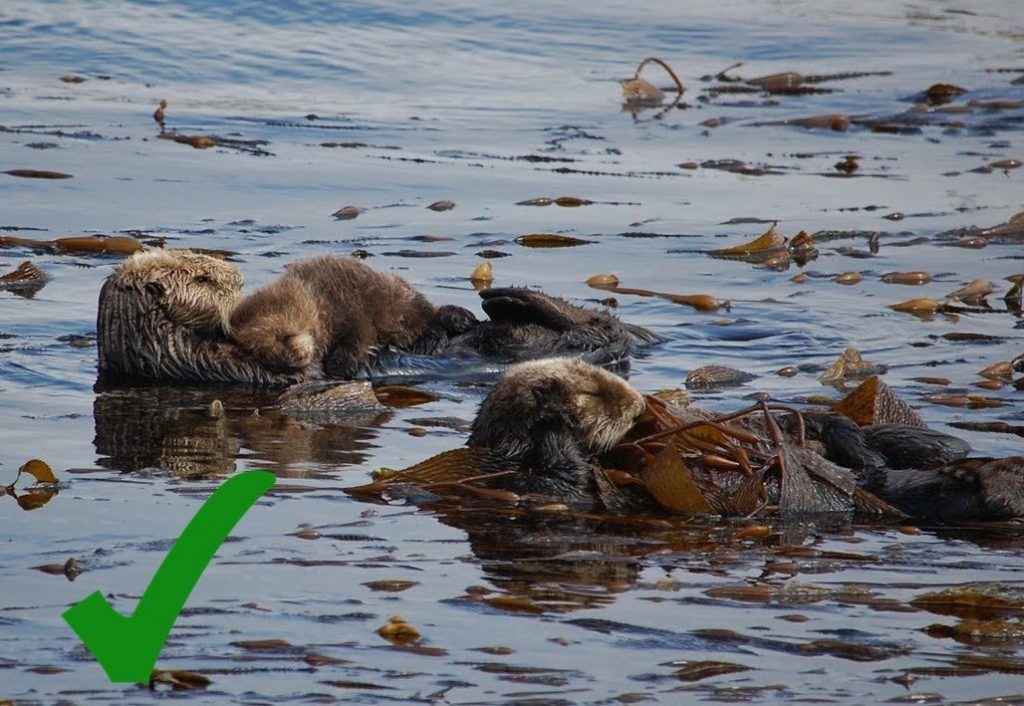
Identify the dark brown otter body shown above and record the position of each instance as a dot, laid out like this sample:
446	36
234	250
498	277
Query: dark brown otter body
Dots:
970	489
162	317
923	472
549	417
526	325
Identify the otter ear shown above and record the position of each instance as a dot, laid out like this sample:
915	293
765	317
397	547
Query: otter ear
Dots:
155	289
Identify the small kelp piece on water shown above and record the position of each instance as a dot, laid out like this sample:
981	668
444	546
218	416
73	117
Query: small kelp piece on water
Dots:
25	280
40	492
77	244
638	92
770	244
37	174
974	292
874	402
454	470
347	213
550	240
355	398
713	376
179	679
399	632
482	275
850	364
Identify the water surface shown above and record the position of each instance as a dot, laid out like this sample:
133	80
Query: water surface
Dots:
391	107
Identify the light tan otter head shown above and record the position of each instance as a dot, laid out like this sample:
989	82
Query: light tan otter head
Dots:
194	290
280	326
604	406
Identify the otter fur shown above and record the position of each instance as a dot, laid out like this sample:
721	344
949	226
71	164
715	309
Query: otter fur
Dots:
549	417
526	325
163	317
177	315
332	311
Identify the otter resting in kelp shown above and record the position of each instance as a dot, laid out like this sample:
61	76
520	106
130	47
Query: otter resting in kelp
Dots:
177	316
548	419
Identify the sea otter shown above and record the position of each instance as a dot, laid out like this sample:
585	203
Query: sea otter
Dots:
163	316
335	312
169	315
549	417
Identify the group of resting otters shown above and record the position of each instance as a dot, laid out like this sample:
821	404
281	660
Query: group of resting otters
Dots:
178	316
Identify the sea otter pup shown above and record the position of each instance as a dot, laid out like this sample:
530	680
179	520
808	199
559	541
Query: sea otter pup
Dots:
336	312
163	315
549	417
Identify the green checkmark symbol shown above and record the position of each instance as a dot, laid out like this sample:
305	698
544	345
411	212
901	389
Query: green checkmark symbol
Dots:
127	648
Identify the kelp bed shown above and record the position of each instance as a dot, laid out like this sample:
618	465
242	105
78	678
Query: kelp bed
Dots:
686	460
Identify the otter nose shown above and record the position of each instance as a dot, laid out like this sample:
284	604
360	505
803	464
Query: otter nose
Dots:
640	408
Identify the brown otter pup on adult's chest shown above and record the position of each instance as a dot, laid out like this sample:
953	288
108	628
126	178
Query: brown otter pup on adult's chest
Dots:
332	312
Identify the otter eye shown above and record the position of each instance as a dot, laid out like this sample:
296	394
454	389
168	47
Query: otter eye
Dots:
204	279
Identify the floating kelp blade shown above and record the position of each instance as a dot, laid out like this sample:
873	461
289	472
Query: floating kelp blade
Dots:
874	402
550	240
640	92
402	396
770	240
671	483
40	470
77	244
449	467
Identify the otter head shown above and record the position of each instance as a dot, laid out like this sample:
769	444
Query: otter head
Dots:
194	290
279	350
548	412
279	325
605	405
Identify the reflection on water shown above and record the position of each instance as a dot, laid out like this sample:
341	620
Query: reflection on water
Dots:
389	107
184	431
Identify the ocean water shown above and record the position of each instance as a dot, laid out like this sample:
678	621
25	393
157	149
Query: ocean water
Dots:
390	107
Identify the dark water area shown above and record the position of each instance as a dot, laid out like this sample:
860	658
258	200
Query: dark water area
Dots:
390	107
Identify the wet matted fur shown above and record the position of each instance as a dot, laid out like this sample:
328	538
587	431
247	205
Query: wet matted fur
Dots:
163	316
333	311
549	417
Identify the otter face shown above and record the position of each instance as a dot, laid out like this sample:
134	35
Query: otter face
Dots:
278	350
603	405
606	405
279	325
195	290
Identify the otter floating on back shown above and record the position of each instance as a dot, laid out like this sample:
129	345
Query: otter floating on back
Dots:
163	317
177	315
549	418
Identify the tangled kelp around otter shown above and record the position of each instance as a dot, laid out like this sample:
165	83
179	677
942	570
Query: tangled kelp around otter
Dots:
170	316
533	435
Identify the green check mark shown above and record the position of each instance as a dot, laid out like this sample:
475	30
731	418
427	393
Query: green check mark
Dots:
127	648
